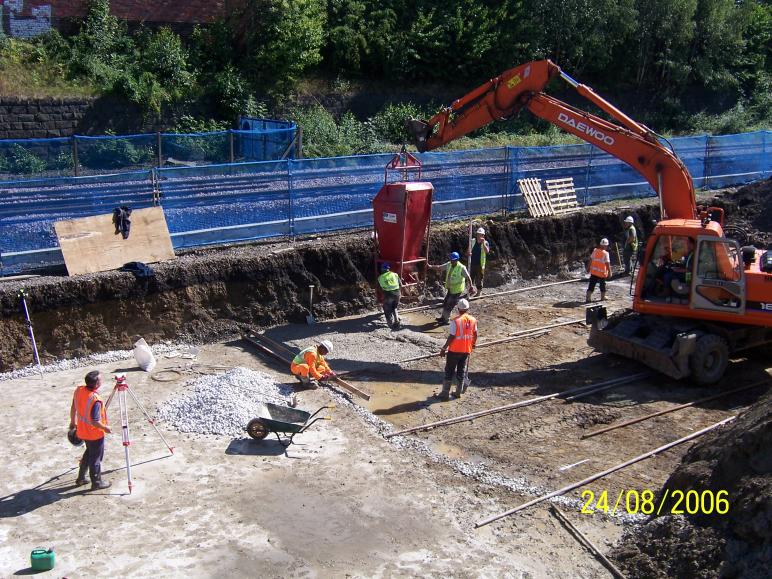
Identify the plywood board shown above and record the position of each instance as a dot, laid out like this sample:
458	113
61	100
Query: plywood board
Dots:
90	244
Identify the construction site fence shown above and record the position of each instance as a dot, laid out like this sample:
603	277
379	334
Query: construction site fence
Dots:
77	156
234	202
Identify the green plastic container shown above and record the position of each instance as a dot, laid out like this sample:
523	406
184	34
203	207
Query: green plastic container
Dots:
42	559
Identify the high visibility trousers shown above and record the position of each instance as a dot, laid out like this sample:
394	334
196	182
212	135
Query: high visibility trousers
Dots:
302	370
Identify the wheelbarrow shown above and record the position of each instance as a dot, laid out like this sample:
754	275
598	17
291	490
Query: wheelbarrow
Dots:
282	420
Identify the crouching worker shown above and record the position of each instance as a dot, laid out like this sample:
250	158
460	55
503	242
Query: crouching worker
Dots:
309	366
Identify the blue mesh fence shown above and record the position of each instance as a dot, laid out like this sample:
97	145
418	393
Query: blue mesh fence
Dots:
29	209
28	158
198	148
127	153
264	140
260	140
220	203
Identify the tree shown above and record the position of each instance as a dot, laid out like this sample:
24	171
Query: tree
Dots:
281	39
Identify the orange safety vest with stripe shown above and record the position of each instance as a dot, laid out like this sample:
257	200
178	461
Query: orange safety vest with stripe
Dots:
598	266
84	404
463	340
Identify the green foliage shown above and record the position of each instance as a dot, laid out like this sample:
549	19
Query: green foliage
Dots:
19	161
163	56
324	137
114	153
282	39
389	123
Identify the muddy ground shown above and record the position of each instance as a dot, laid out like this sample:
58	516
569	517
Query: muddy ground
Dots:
345	501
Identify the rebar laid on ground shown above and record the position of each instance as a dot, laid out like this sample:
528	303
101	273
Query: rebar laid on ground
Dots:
674	409
586	542
579	391
519	335
496	294
607	472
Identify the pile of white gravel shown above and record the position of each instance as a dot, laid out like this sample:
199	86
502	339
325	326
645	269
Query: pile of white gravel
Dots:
222	404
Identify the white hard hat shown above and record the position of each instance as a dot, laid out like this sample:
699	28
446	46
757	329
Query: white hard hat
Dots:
481	231
463	305
327	345
604	241
629	219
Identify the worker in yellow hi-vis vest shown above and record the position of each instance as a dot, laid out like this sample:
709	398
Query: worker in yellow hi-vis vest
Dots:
456	279
390	285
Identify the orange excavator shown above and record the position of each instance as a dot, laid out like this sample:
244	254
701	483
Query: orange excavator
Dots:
699	297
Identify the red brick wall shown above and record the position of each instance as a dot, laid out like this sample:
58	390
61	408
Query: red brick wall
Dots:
156	11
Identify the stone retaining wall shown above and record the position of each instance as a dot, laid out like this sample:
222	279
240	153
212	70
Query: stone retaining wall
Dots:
31	118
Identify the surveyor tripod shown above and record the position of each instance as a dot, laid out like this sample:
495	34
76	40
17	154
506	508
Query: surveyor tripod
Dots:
122	387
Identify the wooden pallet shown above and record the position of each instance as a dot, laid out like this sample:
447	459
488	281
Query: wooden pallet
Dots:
562	195
536	199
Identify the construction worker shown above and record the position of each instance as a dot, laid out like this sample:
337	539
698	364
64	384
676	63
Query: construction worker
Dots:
456	278
309	366
390	286
462	338
479	254
89	417
600	270
631	243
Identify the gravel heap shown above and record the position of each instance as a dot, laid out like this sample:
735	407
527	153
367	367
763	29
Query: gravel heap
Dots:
223	404
93	360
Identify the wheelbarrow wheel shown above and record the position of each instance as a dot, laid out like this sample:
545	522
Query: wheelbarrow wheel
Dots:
256	429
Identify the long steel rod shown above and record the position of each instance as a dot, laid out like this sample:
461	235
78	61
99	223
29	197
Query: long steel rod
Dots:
579	391
528	333
587	543
674	409
607	472
31	333
493	295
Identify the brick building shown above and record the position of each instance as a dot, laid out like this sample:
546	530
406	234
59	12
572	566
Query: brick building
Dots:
28	18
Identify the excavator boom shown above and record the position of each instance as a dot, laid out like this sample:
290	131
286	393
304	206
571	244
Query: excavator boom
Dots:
522	87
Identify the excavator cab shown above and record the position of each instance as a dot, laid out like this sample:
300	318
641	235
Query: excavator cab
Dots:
719	276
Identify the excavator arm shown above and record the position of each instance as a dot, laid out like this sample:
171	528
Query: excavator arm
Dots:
522	87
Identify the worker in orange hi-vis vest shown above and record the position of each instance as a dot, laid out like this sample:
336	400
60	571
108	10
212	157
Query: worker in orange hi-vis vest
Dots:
600	269
462	337
88	416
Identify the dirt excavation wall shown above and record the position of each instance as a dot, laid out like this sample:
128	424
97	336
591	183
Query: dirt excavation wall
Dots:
208	295
737	460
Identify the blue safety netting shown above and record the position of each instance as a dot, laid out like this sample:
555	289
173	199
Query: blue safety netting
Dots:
218	203
28	158
126	153
257	140
198	148
29	209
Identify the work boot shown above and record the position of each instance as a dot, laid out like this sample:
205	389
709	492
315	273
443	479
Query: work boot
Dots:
445	393
97	484
602	296
82	470
588	297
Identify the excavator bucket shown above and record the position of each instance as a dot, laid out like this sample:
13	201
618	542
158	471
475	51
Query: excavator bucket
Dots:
419	131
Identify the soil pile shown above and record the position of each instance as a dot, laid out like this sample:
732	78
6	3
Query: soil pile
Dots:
748	213
736	459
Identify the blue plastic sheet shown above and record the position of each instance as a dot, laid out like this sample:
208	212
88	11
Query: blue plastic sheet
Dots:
226	202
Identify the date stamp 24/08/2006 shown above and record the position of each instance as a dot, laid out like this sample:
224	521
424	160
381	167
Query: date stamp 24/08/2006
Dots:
645	502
